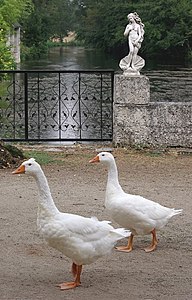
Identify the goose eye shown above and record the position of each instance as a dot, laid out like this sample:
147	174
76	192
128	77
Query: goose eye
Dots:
29	164
103	155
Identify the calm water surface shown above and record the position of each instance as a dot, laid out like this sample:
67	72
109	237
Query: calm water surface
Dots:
73	58
167	83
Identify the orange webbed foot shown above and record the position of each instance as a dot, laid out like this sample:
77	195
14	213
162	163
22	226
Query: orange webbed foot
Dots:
129	246
124	249
154	242
150	248
68	285
76	271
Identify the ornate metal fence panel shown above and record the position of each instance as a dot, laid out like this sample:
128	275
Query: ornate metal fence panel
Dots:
56	105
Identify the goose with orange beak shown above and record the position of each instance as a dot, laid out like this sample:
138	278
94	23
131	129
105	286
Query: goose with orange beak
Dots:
136	213
83	240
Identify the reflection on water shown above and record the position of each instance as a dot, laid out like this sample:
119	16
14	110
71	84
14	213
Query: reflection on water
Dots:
167	83
172	86
73	58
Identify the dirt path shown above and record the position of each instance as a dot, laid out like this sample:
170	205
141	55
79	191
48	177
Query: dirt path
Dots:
29	270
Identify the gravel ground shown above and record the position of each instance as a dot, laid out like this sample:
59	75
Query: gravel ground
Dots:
30	269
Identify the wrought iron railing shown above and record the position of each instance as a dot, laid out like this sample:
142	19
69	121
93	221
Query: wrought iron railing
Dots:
56	105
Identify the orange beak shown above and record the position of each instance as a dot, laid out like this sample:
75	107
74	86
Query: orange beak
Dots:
95	159
19	170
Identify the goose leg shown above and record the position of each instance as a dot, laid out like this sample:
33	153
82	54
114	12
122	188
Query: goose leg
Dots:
76	270
153	243
129	246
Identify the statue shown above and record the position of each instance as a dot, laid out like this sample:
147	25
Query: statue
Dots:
134	31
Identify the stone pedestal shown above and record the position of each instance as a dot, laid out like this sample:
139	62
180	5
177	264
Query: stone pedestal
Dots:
133	89
131	118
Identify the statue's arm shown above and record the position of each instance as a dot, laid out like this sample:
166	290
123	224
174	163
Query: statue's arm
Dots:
127	30
139	36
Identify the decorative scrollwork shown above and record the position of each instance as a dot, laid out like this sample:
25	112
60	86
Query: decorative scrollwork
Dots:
59	105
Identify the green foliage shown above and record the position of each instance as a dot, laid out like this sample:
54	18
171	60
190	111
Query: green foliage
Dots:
76	43
4	104
36	27
49	19
102	23
62	11
35	51
11	12
168	25
6	58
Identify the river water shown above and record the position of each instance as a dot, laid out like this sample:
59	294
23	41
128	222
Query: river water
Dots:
167	82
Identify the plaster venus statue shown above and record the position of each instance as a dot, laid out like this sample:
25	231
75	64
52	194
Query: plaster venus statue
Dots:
134	31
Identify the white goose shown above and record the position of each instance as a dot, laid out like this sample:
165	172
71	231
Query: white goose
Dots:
140	215
84	240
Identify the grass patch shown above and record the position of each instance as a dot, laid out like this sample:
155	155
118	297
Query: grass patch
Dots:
41	157
68	157
44	158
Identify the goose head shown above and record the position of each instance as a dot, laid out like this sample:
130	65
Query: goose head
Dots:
103	157
30	167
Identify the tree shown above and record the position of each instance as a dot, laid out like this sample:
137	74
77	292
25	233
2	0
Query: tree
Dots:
49	18
11	11
37	27
168	25
62	18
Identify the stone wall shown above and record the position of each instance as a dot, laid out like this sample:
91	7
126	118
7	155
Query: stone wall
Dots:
137	121
13	41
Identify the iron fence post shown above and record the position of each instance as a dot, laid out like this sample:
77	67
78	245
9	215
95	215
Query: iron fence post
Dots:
101	105
112	100
79	99
59	97
26	105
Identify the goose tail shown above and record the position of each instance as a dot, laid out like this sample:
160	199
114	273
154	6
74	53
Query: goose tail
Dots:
177	211
121	233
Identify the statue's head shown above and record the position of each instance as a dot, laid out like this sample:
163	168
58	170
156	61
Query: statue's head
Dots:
133	16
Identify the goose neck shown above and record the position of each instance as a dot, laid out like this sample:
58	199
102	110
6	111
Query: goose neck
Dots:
113	181
46	203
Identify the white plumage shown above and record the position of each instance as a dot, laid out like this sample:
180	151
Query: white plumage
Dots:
138	214
84	240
